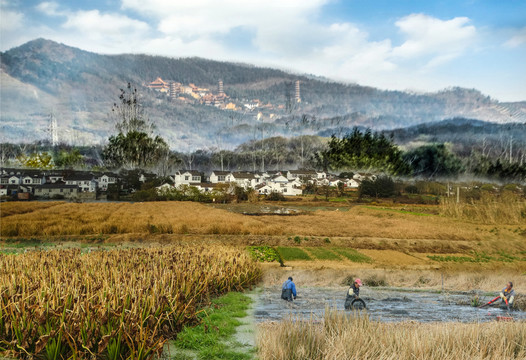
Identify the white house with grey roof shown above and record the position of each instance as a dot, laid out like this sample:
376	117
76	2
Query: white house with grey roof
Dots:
187	177
244	179
218	176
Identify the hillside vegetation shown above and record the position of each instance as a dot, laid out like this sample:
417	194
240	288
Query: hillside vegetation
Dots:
43	77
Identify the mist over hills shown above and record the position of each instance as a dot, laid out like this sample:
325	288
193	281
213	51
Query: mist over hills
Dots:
43	77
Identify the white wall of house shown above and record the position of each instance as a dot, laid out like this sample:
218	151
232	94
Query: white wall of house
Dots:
105	180
352	183
186	178
219	177
242	181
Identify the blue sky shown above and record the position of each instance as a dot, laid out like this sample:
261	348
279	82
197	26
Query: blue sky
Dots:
410	45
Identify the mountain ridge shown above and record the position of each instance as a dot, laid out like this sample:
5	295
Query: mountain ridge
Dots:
79	87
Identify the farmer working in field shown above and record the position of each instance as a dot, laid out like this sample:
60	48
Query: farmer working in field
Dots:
508	294
353	293
288	290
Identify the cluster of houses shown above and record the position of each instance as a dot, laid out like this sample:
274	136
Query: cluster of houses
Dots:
177	91
26	183
85	185
287	183
191	92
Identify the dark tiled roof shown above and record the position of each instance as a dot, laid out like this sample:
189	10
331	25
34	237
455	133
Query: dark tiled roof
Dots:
239	175
79	177
56	186
303	172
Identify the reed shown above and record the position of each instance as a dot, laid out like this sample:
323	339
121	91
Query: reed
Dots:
12	208
507	209
110	304
342	336
200	219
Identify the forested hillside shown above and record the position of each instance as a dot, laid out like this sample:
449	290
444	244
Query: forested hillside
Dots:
43	78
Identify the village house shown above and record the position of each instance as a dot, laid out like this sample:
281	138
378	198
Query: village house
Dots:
49	191
28	178
84	181
36	179
55	177
106	179
279	179
243	179
286	189
303	174
218	176
187	177
264	189
352	183
321	174
13	180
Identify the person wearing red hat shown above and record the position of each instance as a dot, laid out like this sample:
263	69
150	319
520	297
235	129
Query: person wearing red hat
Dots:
353	293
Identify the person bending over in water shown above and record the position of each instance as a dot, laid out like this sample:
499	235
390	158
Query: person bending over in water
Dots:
508	295
288	290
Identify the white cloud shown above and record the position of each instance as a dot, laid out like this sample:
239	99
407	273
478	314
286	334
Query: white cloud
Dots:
49	8
94	30
100	25
10	20
427	35
517	40
289	34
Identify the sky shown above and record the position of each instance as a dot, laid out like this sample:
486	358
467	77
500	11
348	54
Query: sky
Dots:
410	45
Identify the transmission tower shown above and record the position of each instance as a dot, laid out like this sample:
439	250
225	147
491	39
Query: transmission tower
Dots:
53	129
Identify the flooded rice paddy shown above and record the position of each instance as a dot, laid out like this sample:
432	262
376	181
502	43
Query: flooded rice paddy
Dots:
384	305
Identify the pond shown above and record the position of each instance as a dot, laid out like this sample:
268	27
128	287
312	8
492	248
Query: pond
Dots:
383	305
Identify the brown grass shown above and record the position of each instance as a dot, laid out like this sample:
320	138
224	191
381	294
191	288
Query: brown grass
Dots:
453	280
507	209
12	208
340	336
194	218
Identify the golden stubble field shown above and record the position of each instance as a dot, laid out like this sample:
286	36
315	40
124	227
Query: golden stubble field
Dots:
62	219
395	237
398	240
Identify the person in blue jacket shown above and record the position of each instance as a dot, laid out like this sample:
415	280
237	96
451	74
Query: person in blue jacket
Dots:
288	290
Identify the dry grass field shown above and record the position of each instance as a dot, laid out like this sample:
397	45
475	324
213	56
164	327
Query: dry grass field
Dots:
358	226
442	247
340	336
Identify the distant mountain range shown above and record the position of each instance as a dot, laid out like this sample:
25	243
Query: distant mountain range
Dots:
43	78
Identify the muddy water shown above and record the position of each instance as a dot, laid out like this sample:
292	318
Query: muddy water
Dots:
382	305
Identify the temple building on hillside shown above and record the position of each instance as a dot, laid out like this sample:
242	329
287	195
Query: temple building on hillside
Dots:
159	85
